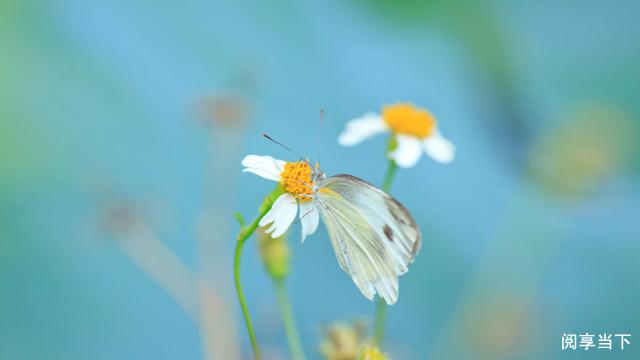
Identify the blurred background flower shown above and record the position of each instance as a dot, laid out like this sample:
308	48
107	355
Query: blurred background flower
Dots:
584	151
533	228
343	341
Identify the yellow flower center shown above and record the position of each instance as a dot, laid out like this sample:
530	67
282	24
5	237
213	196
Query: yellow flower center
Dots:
296	179
406	119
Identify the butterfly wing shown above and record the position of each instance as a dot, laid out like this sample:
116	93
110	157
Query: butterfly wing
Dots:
373	235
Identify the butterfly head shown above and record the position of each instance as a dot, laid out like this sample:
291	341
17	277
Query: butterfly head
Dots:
317	173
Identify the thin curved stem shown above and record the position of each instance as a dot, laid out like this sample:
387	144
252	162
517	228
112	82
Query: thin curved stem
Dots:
295	346
243	303
381	305
244	234
242	238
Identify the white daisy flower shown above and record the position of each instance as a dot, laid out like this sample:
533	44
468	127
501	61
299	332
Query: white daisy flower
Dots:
295	178
415	130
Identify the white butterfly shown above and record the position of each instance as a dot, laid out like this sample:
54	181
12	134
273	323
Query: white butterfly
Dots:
374	237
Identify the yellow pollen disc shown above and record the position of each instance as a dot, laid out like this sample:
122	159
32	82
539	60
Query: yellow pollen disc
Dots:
407	119
296	179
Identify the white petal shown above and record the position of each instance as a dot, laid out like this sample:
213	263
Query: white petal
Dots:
282	214
439	148
309	218
263	174
362	128
408	151
263	166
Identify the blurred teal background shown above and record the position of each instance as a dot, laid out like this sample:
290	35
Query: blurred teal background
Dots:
122	126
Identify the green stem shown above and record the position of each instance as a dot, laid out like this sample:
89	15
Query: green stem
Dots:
243	235
378	325
236	273
381	305
388	176
291	330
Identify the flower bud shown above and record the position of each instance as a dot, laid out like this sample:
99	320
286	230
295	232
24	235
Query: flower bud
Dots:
275	255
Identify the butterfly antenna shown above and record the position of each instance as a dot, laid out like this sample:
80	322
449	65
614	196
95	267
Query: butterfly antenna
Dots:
281	144
318	135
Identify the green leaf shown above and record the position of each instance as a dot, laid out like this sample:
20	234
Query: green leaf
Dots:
239	218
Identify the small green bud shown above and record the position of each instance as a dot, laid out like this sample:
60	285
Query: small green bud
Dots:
275	255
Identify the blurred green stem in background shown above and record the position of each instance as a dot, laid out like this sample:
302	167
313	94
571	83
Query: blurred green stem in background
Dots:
378	325
275	256
295	346
381	305
243	235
